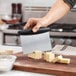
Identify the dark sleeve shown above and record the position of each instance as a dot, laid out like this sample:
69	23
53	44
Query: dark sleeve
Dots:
71	3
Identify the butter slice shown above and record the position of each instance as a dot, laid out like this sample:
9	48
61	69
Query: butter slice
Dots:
49	56
38	55
35	55
58	58
65	60
31	55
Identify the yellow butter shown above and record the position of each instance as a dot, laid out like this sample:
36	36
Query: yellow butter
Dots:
56	59
32	55
49	56
38	54
35	55
65	60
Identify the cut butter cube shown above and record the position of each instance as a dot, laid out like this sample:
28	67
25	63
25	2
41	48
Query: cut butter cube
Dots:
56	59
60	59
65	60
32	55
38	54
49	56
35	55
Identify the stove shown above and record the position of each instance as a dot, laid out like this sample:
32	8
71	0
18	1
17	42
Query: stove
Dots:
12	34
57	27
63	34
60	33
18	26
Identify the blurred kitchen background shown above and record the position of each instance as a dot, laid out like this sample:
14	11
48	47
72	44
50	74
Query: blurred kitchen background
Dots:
5	6
37	8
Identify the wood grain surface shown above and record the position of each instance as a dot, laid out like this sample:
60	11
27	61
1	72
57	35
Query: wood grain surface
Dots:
40	66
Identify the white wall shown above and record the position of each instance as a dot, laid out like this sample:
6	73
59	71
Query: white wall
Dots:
5	5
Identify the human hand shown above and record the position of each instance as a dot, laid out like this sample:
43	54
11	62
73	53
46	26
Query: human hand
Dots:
35	24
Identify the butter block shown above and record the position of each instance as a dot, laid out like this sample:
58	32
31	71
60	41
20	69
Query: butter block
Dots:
58	58
35	55
38	54
31	55
65	60
49	56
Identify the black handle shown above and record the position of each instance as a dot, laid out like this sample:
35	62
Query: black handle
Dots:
30	32
19	24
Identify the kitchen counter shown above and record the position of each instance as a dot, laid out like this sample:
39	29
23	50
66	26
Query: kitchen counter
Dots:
61	70
15	49
21	73
16	72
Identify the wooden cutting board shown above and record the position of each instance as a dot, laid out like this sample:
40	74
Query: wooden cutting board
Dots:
40	66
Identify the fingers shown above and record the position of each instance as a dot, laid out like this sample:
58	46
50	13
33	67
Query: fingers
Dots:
34	24
36	28
28	24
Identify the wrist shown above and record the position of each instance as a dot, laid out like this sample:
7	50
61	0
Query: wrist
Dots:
45	21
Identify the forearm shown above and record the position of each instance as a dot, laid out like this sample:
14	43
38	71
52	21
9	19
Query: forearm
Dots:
58	10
